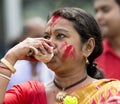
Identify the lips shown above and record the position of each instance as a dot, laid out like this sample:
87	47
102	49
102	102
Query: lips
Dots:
102	24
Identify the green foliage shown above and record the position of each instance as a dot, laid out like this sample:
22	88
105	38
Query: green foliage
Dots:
43	7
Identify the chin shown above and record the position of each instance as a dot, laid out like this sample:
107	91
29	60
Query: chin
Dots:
104	33
51	65
104	36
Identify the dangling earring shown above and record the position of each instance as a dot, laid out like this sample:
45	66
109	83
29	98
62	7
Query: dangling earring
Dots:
87	61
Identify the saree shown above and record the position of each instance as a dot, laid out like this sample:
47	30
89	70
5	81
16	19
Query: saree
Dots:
105	91
30	92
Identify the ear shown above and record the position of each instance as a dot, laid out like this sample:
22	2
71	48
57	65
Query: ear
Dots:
88	47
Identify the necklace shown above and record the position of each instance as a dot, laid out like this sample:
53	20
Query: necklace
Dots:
62	94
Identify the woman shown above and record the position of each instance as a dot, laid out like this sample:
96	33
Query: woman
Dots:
76	41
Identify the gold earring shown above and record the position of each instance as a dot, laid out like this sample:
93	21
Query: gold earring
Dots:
87	61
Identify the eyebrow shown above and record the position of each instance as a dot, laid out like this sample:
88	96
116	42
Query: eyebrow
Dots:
105	6
102	7
59	29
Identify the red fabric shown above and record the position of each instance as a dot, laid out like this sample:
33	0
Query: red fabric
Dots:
109	61
27	93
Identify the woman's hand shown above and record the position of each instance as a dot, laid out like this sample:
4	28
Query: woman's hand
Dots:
21	50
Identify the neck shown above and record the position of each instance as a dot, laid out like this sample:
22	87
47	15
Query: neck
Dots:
70	86
115	44
67	81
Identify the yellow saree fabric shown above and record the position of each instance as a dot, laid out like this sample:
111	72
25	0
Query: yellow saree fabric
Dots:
97	92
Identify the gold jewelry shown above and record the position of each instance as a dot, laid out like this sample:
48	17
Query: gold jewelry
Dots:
6	63
32	51
4	76
87	61
62	94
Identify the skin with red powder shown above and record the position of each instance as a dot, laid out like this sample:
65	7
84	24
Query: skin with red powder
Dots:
53	21
68	50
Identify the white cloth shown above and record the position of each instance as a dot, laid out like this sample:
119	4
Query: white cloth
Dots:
24	73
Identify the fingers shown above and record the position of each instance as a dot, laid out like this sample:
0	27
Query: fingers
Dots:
48	48
39	45
39	49
48	42
27	49
32	51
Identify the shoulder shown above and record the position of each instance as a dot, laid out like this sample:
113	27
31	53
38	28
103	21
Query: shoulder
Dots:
113	91
111	82
31	85
108	85
25	93
28	87
106	90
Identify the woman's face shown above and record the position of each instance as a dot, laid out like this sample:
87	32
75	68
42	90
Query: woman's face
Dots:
67	51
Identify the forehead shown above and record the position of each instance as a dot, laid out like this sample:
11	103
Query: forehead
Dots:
59	22
103	3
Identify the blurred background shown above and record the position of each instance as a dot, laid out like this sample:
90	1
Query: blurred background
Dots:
13	13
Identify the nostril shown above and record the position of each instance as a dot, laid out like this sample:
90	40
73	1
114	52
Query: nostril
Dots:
54	46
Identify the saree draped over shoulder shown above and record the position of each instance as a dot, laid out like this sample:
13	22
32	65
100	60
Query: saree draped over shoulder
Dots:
27	93
105	91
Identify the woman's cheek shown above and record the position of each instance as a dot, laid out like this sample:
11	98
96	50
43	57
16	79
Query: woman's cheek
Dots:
68	51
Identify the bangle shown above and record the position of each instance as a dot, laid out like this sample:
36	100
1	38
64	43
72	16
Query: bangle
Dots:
6	63
4	76
4	67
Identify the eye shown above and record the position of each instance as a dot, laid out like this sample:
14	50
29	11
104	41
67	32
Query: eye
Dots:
60	36
47	37
106	9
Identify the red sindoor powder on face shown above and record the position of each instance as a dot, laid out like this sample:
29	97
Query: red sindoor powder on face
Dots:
53	19
69	52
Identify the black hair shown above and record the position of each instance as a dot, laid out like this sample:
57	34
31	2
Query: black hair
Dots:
87	27
118	2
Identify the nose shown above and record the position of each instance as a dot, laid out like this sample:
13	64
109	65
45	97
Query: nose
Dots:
55	46
53	43
99	16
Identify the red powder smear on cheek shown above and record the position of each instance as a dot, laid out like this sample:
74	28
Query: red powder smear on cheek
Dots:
69	52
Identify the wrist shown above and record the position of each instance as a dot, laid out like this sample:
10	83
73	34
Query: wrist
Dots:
5	70
8	65
10	58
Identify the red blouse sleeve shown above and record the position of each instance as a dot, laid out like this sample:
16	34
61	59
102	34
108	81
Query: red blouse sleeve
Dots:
27	93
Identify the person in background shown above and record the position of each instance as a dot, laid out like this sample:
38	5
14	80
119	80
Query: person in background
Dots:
33	27
107	15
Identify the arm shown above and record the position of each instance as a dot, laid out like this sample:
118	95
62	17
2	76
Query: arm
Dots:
19	52
4	81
